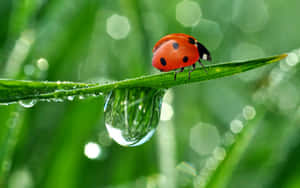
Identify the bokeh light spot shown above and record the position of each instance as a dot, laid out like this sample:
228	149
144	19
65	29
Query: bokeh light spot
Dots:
286	97
250	16
292	59
228	138
29	69
204	138
219	153
249	112
208	33
244	51
104	139
117	26
20	178
188	13
92	150
42	64
236	126
211	163
186	168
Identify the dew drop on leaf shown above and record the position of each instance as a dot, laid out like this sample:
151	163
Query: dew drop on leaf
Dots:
27	103
70	98
132	115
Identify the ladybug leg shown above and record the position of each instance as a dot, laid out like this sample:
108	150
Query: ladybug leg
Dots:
194	67
181	70
203	66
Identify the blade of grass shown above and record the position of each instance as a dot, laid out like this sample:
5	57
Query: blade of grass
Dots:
15	90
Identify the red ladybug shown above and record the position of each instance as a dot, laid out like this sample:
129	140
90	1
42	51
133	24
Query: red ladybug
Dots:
176	51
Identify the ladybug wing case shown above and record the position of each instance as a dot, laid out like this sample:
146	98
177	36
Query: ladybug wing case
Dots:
174	54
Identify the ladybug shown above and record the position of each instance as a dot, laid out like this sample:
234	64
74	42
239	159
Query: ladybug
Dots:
176	51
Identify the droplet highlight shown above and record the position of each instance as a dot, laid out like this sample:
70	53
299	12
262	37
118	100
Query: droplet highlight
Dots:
27	103
132	115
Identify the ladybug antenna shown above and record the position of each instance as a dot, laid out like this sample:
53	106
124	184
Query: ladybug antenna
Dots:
203	52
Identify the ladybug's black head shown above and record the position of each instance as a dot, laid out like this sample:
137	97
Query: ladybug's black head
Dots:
203	52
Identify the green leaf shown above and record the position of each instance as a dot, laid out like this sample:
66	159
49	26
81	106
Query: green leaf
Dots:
15	90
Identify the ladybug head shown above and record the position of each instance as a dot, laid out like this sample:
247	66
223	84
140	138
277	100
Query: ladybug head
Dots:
203	52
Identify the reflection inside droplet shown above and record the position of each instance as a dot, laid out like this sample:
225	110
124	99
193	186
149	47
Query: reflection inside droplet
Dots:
132	115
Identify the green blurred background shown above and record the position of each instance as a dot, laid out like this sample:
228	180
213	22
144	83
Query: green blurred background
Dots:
66	144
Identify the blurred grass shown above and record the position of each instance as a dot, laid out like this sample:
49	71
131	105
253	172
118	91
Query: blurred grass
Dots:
223	173
72	37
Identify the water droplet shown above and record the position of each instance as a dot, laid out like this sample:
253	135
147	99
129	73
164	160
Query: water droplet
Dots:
4	104
27	103
81	97
70	98
125	122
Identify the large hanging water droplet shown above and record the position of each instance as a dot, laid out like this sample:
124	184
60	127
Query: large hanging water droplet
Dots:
132	115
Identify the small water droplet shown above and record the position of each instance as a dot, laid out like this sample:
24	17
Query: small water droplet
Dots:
27	103
70	98
81	97
58	100
125	122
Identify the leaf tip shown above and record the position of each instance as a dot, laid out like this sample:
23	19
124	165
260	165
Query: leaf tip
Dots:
280	57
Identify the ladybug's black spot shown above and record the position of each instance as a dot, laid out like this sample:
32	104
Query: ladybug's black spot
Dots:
175	45
163	61
191	40
185	59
